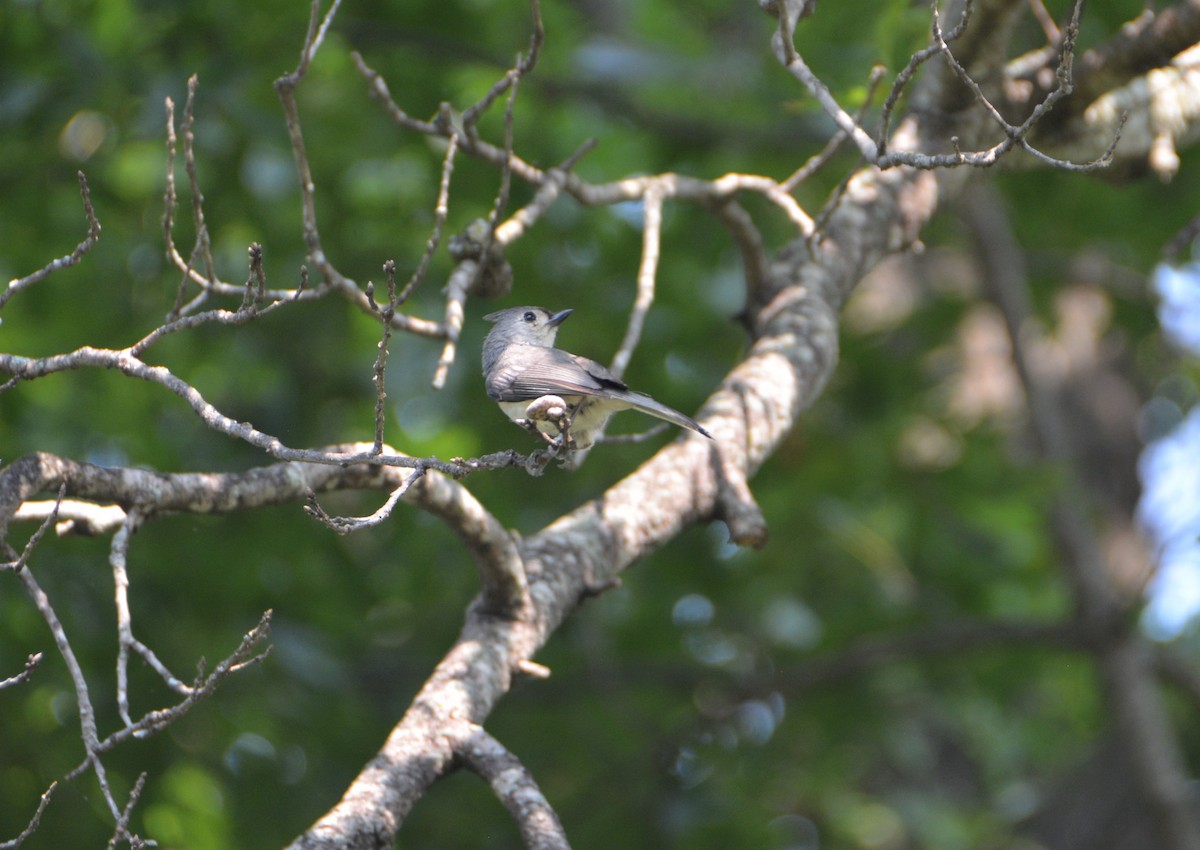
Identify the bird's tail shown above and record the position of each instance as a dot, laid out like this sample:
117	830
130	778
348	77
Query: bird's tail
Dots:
648	405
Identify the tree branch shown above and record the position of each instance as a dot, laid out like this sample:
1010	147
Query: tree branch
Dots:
31	664
516	788
34	822
1149	41
93	235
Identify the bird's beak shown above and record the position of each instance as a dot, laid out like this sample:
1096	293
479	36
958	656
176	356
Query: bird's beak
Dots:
559	317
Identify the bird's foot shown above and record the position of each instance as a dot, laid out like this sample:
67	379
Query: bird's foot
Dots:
551	409
547	408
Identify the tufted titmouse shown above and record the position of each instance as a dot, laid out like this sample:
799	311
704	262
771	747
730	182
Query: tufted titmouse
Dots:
520	364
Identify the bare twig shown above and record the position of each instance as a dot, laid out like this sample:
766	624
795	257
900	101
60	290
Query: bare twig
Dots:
487	274
519	222
652	206
818	161
1045	20
121	830
876	151
188	273
254	295
379	372
34	822
125	362
31	664
332	280
525	64
730	184
457	289
908	72
118	556
285	87
709	193
346	525
35	538
93	235
203	242
155	721
441	210
201	251
120	548
378	90
749	241
87	714
93	746
316	33
169	203
1015	135
785	51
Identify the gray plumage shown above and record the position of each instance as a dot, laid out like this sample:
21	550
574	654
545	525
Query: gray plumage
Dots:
520	364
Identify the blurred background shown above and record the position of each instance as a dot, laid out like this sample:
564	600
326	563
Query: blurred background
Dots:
721	697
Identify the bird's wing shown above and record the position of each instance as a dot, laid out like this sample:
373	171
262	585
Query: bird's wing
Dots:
610	386
554	372
557	372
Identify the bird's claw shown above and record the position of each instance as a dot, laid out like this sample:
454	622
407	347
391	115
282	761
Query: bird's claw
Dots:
549	408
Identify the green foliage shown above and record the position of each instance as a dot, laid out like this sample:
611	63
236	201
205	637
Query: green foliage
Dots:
678	714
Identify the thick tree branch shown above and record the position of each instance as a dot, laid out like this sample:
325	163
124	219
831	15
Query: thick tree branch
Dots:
1149	41
154	494
1159	114
463	688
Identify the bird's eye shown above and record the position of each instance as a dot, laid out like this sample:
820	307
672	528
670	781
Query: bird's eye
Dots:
530	316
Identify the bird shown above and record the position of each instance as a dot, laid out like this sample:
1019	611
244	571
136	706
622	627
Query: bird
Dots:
521	365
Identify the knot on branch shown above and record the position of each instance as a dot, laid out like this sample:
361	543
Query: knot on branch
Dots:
735	505
476	243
